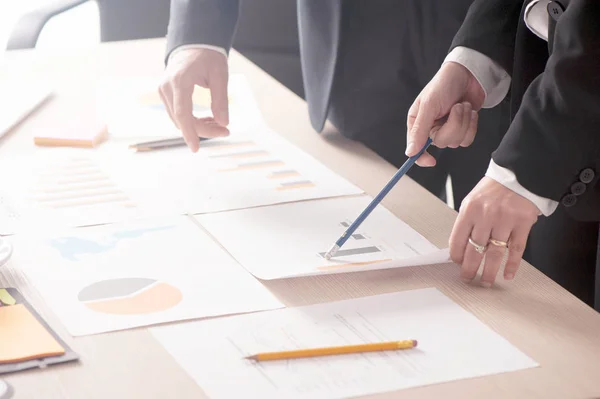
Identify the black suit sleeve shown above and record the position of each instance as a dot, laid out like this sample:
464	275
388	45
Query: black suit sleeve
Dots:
211	22
490	28
555	135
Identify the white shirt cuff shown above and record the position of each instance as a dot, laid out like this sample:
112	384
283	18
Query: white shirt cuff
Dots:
494	80
197	46
508	179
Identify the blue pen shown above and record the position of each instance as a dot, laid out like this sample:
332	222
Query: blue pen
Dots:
361	218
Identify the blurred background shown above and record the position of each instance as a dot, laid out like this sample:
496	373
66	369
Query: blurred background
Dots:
47	25
75	27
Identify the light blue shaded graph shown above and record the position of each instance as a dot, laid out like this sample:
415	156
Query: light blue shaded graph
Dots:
71	248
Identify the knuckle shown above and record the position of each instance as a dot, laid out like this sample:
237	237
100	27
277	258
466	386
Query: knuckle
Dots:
457	140
164	87
487	208
491	211
426	100
467	142
467	204
516	247
474	205
415	128
440	141
495	211
178	78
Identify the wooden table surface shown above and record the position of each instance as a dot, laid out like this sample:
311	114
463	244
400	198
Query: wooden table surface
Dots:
546	322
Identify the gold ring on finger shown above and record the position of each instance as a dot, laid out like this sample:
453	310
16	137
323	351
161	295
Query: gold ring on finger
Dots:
498	243
479	248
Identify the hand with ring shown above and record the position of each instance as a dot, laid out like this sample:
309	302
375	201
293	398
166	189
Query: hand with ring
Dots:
492	219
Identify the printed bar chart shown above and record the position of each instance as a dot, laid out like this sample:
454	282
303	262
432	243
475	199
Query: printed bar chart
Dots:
254	165
295	184
354	251
77	182
282	174
292	238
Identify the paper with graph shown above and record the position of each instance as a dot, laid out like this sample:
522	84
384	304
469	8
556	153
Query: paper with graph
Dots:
452	345
290	240
247	169
120	276
63	188
71	188
132	107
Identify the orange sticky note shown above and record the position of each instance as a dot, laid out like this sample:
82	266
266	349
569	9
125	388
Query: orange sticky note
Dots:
22	337
84	134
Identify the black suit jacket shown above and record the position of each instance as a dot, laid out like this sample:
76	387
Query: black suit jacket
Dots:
339	41
553	143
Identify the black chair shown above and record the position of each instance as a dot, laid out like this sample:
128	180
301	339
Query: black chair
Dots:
267	32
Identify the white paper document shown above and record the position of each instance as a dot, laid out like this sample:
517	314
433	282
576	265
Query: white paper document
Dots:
64	188
248	169
120	276
289	240
452	345
133	108
77	188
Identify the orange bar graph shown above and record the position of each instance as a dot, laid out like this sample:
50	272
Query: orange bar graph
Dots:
256	165
296	186
283	174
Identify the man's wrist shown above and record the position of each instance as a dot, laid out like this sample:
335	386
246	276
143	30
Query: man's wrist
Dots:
473	85
492	78
508	179
177	50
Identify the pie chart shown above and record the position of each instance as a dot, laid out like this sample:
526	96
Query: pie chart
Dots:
129	296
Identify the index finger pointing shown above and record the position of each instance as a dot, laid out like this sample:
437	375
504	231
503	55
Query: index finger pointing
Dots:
182	110
219	96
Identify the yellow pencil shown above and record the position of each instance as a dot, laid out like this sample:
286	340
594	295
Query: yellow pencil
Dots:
336	350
